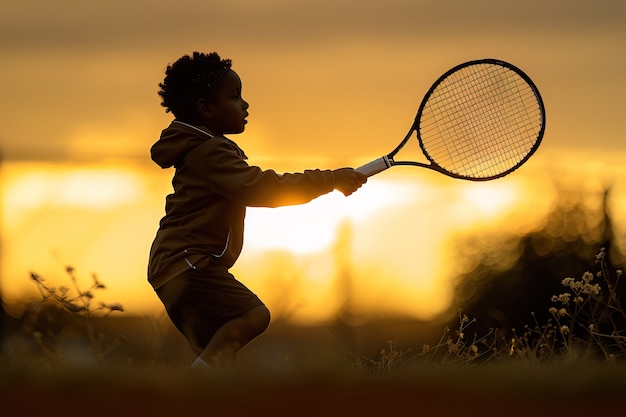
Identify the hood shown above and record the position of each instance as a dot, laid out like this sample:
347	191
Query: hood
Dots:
175	142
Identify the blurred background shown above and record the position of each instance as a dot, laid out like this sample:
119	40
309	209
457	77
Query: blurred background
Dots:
330	84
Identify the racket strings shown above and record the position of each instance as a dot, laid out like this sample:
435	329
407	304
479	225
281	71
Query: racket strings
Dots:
468	148
480	121
469	151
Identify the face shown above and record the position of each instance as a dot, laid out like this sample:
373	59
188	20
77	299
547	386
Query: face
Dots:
227	114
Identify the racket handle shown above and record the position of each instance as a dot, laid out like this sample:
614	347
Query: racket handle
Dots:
375	166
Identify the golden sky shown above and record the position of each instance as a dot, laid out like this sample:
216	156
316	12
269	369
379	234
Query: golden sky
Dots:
329	82
324	78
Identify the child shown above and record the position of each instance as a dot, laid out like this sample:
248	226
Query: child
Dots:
201	235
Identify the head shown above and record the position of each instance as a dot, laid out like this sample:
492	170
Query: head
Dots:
202	89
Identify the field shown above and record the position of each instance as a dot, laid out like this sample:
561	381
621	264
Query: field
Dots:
67	353
306	371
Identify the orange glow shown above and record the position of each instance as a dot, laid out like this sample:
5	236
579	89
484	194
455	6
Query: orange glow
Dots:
312	227
326	97
98	218
390	239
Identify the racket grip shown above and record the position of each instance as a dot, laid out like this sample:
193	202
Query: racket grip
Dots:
375	166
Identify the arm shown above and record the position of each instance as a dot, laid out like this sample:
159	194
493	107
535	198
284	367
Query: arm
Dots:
230	176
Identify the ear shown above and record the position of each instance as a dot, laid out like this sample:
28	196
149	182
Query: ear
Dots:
204	108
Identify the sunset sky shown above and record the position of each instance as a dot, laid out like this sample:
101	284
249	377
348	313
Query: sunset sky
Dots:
330	83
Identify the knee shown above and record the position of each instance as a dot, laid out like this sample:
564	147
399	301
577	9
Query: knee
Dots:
263	317
259	318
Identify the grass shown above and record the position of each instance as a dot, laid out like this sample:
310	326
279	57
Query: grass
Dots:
69	343
587	324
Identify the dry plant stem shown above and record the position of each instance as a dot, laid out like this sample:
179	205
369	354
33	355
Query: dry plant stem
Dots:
80	307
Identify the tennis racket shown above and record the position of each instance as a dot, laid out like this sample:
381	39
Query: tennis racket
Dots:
479	121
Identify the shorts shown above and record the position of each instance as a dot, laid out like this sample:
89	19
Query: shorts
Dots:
200	301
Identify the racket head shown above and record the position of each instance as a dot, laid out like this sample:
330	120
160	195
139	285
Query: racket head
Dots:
481	120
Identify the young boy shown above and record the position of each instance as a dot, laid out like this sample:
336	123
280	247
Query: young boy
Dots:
201	235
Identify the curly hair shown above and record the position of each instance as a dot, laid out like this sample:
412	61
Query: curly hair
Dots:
191	78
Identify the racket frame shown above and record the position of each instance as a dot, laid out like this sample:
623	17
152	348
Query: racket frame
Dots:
387	161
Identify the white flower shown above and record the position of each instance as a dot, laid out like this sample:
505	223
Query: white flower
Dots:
591	289
565	297
587	277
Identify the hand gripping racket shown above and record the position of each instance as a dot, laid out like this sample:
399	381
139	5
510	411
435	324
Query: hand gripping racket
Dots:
479	121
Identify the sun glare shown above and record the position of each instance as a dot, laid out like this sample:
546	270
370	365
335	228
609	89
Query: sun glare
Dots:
390	236
27	188
312	227
399	227
96	217
486	201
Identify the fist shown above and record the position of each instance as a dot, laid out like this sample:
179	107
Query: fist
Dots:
347	180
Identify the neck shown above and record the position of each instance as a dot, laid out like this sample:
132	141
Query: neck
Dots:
200	128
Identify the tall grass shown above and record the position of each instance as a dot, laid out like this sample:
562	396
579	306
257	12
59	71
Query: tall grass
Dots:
66	310
587	323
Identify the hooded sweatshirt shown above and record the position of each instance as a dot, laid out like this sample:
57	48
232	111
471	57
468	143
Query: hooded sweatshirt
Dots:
213	184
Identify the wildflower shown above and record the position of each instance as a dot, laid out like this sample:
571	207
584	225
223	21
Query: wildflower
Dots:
115	307
564	329
552	310
591	289
587	277
473	349
564	298
578	299
592	327
73	308
618	273
96	282
567	282
562	312
600	256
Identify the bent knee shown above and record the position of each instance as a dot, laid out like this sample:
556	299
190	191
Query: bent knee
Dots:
265	316
260	316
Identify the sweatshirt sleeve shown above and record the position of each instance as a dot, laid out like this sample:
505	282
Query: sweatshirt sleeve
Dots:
230	176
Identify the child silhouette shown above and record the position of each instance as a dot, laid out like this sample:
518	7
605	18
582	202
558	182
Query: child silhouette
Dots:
201	235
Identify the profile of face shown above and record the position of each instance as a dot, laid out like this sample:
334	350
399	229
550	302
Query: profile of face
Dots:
227	112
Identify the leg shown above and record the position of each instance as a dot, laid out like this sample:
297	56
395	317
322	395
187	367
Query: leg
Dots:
234	335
